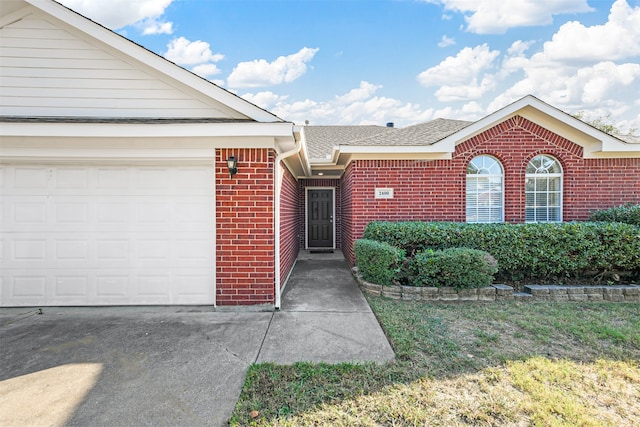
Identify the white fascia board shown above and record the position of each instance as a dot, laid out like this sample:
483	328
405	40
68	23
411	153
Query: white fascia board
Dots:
106	155
613	144
164	66
399	149
281	130
344	154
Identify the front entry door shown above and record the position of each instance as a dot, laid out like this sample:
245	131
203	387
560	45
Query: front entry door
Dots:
320	218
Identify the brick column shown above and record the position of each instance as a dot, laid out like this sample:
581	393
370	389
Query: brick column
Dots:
244	228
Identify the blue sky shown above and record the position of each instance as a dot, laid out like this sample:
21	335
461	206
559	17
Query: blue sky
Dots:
405	61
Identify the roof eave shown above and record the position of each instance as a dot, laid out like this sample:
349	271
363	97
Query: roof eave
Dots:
279	130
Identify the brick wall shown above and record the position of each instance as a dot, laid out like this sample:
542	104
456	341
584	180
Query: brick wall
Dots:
289	224
435	190
244	228
346	217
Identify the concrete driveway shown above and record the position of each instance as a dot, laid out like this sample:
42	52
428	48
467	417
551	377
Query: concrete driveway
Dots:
124	366
174	366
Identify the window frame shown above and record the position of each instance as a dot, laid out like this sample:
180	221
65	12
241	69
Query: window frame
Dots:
537	177
488	176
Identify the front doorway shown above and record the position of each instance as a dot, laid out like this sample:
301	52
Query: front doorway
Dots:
320	223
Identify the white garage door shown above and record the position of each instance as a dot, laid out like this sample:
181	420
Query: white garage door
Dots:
103	235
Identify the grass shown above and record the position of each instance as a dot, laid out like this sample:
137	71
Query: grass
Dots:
556	364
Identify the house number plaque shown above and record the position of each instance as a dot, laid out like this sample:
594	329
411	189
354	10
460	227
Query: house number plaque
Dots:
384	193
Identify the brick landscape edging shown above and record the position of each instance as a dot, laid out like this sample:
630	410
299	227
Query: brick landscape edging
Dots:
613	293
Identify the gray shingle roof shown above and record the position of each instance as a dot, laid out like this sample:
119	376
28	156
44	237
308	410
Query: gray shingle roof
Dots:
322	139
631	139
421	134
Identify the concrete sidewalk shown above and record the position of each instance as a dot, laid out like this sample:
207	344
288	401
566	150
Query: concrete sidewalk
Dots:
162	366
324	318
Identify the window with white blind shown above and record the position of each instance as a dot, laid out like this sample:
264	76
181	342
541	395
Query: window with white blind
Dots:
543	190
485	193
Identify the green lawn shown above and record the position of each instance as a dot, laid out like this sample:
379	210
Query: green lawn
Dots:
544	364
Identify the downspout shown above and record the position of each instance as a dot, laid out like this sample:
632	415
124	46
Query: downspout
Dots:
276	209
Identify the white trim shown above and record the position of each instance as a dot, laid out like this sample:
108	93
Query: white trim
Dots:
477	176
306	215
278	173
448	147
536	176
137	130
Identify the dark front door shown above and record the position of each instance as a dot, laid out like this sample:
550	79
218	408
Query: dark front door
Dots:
320	218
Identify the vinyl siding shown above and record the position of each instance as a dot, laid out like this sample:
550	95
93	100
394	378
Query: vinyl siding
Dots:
45	70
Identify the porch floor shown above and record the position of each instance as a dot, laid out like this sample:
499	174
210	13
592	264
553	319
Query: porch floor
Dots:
321	254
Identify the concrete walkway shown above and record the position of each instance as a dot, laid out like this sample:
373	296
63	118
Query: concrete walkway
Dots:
324	318
174	366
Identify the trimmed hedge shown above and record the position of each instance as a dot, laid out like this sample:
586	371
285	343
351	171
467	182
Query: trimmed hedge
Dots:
455	267
629	214
542	251
378	262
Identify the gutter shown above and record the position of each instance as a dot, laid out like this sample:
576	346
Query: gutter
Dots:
276	213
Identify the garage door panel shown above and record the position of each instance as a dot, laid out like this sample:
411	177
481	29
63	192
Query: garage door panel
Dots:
108	250
192	288
107	235
71	179
28	212
112	286
71	212
107	287
34	178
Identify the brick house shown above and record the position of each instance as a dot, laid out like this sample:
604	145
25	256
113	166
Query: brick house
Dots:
526	162
115	187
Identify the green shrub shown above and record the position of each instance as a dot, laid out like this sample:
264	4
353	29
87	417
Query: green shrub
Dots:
540	251
378	262
629	214
456	267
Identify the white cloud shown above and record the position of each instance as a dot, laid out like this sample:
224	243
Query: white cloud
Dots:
583	68
116	14
515	58
358	106
265	100
260	72
151	26
589	88
497	16
618	38
206	70
446	41
185	52
460	69
363	92
469	91
464	76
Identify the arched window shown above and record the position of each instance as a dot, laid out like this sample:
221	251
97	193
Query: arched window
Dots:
485	194
543	190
